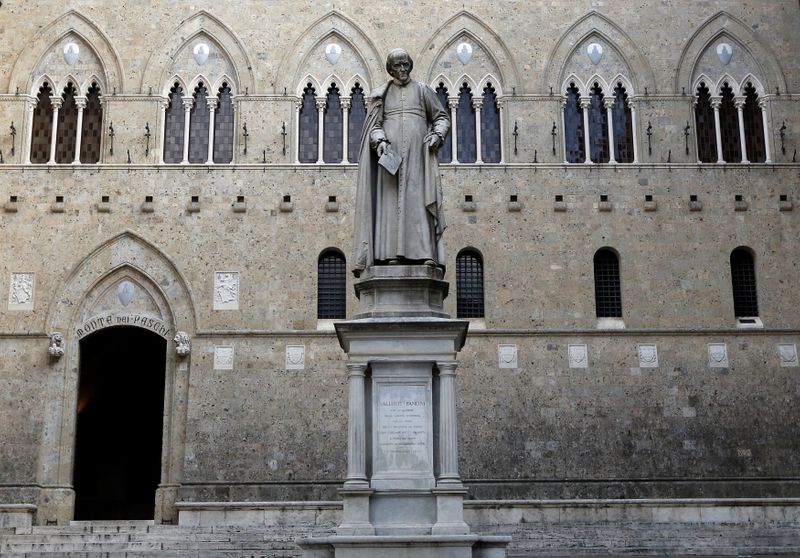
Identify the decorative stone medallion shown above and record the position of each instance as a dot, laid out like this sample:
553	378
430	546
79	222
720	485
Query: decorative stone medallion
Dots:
464	52
717	355
648	356
125	292
595	52
507	356
201	52
333	52
578	356
71	51
295	357
226	290
725	53
788	355
223	358
20	292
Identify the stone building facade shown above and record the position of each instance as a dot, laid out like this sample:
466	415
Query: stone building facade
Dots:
182	255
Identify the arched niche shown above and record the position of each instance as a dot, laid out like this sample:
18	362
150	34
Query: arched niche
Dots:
87	69
611	63
45	54
479	62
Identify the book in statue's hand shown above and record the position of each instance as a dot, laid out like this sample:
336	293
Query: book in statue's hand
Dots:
390	161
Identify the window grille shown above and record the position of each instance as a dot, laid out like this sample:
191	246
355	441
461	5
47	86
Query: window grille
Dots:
729	124
223	126
66	134
332	127
331	286
743	279
623	126
469	285
598	126
355	123
309	127
607	292
573	126
446	150
173	126
42	132
753	127
490	126
92	129
705	128
465	136
199	121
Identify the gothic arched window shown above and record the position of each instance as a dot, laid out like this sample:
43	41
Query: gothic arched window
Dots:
466	138
598	126
308	127
42	133
67	126
223	126
705	128
607	291
331	286
469	284
199	121
753	127
355	122
332	127
623	126
92	128
573	126
490	126
446	150
743	279
173	126
729	127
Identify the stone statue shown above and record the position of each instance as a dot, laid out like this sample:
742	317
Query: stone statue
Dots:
399	217
182	344
56	348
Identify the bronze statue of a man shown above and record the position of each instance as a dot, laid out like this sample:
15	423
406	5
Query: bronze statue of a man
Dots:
399	217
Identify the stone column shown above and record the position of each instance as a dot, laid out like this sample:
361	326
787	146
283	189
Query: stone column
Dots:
298	104
452	102
564	128
321	104
80	102
501	111
57	102
586	102
634	129
477	104
609	104
694	121
356	429
345	101
448	429
738	102
188	103
212	103
762	103
163	104
30	106
715	104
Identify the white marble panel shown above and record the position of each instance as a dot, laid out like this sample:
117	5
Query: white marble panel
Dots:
578	356
648	355
717	355
20	292
223	358
295	357
226	290
788	355
507	356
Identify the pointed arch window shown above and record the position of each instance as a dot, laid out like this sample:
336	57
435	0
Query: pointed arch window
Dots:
199	122
743	279
466	134
754	126
607	290
573	126
446	150
469	284
355	122
331	286
92	128
223	126
598	126
309	127
333	125
623	126
174	125
729	127
705	128
490	126
42	130
67	126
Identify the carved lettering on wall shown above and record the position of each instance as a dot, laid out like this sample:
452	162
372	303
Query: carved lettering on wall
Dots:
20	293
226	290
97	323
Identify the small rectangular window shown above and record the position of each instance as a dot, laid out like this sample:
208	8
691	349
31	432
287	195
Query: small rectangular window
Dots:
603	198
468	198
693	197
104	199
512	198
13	199
332	199
559	198
148	199
195	199
239	199
738	197
784	197
59	199
648	198
287	198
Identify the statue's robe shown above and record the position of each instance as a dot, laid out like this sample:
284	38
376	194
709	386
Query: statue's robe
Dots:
400	216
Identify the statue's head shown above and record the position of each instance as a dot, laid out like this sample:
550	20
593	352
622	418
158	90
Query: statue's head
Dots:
399	64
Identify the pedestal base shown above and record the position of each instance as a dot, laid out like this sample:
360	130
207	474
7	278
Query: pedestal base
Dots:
465	546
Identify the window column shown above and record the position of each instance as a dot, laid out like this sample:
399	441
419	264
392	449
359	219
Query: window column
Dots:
477	104
345	104
188	103
212	103
56	101
298	104
163	105
452	102
762	103
609	103
586	102
738	102
30	106
80	102
564	128
634	129
716	102
501	111
321	104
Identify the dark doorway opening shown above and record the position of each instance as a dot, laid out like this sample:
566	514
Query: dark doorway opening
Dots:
119	425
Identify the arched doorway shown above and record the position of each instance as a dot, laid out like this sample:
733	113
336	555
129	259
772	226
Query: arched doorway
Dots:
120	413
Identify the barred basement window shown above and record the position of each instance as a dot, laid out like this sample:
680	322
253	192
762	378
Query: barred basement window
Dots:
705	127
446	150
309	127
331	286
490	126
623	126
355	122
465	135
469	284
92	129
67	131
173	126
223	126
743	279
753	127
729	127
42	132
199	121
332	127
607	292
573	126
598	126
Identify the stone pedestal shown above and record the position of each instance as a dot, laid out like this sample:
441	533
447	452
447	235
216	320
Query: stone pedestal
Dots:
403	495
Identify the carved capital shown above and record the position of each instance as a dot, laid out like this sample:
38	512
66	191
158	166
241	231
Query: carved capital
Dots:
188	102
447	368
345	102
212	103
298	104
452	102
477	103
30	104
56	348
762	103
716	102
356	368
609	102
57	102
80	102
183	345
163	103
739	102
322	102
585	102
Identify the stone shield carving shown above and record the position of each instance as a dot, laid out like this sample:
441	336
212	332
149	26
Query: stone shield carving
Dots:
595	52
507	356
125	292
788	354
578	356
333	52
295	357
648	356
725	53
464	52
71	51
200	53
717	355
20	295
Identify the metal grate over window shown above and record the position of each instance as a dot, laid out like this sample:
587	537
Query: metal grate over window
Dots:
573	126
490	126
446	150
623	126
469	285
607	292
598	126
332	127
465	136
743	279
92	129
705	127
67	132
355	123
753	127
173	126
223	126
309	127
331	286
199	121
42	126
729	127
